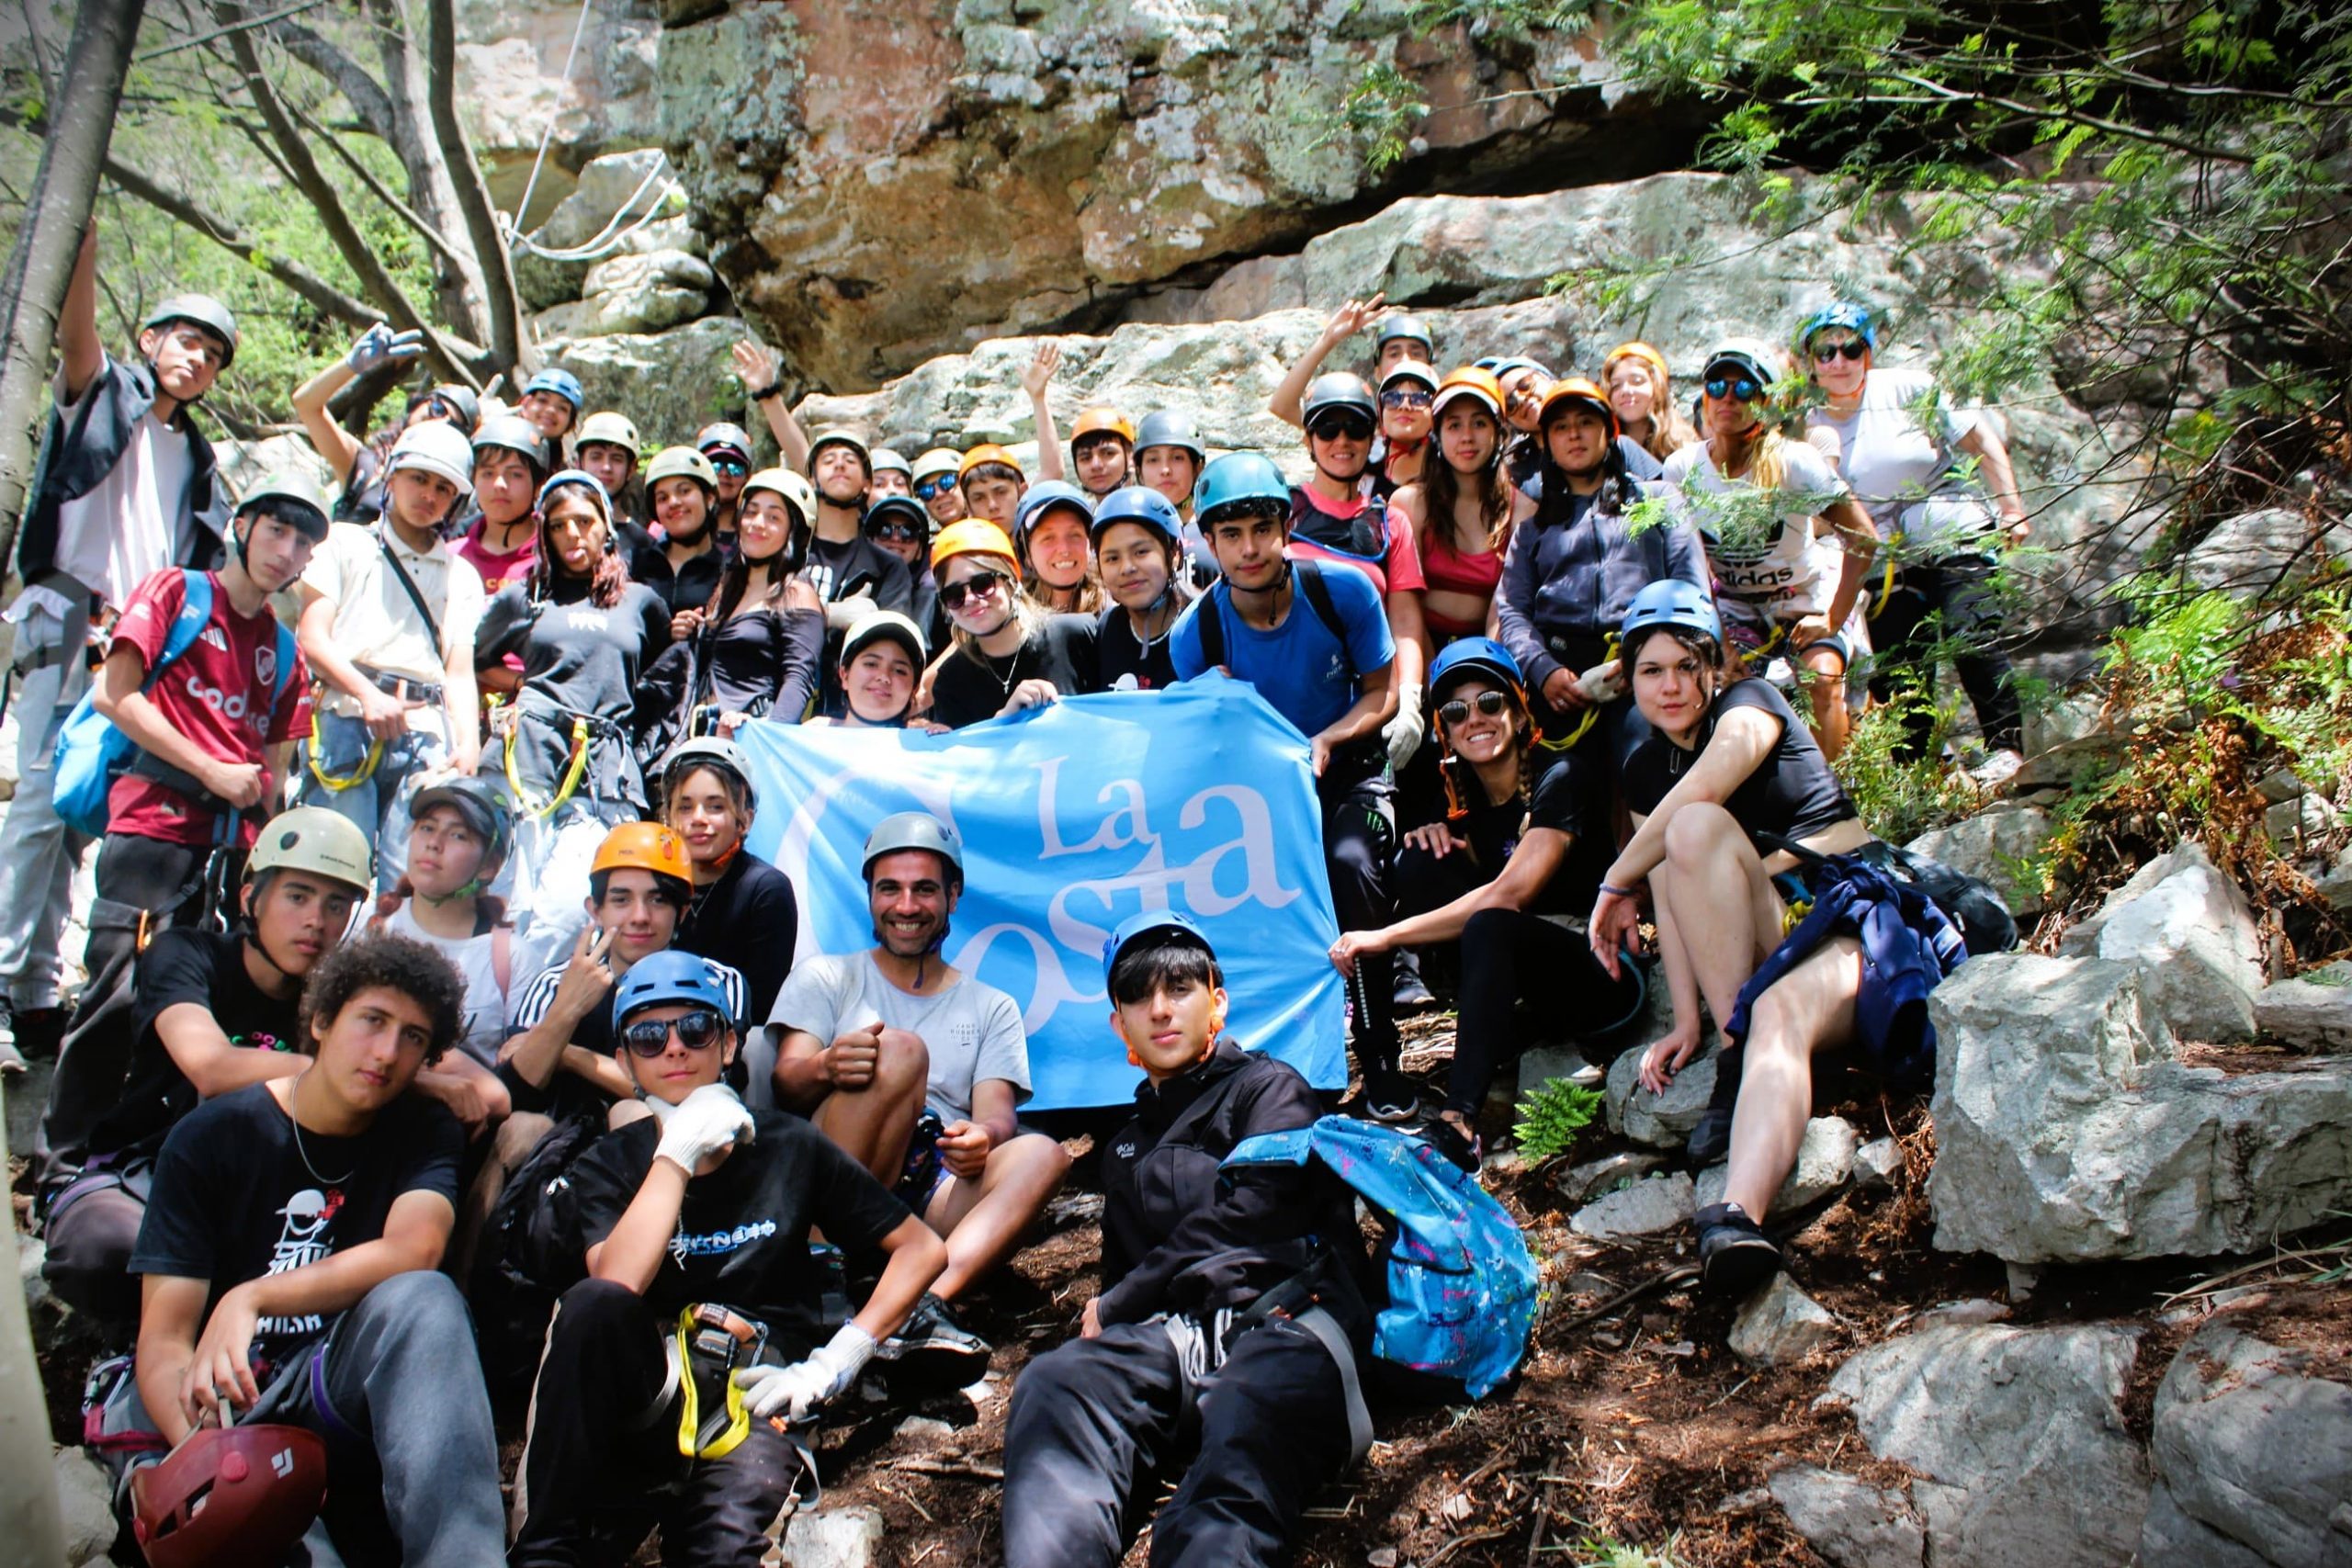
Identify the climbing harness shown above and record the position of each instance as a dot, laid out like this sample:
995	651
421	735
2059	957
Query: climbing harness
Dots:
359	775
1591	712
711	1341
574	770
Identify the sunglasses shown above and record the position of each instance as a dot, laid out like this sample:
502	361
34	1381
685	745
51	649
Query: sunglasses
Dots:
1852	348
1488	703
986	585
1338	427
730	465
1741	389
1402	398
697	1031
935	487
889	528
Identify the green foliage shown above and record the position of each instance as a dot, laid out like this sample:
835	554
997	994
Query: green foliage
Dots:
1598	1551
1378	115
1550	1118
1900	799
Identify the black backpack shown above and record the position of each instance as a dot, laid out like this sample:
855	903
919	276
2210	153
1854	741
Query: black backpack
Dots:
532	1251
1311	588
1969	902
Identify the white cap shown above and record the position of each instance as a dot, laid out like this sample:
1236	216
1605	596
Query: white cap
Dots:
438	448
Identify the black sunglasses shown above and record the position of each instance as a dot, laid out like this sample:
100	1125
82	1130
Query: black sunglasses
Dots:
955	594
891	528
696	1031
1333	427
932	488
1743	389
1852	348
1490	703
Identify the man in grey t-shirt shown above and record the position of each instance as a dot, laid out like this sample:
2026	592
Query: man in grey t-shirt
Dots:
915	1069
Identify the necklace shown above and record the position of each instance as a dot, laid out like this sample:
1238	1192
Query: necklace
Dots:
304	1154
1013	667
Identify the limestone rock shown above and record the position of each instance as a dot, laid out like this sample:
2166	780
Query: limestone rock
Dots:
613	187
1849	1521
85	1506
1659	1121
672	383
512	89
2335	887
1780	1324
1994	844
1580	1183
1824	1163
2067	1130
2187	928
1645	1208
2259	552
1878	1164
2252	1449
832	1537
2306	1014
633	293
2018	1438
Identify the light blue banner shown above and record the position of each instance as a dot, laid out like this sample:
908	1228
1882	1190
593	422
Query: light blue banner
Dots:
1074	816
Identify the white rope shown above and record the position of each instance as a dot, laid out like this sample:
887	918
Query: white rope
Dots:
531	184
612	237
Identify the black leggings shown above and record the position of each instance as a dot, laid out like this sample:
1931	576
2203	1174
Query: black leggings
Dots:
1508	954
1359	837
1951	602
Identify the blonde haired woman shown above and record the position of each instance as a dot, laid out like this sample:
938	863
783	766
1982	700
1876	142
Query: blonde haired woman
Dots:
1643	394
1010	652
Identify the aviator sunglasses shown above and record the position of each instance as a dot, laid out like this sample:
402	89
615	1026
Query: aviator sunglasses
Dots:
1488	703
697	1031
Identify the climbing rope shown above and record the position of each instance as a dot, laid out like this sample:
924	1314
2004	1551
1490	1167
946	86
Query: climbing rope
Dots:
579	29
613	236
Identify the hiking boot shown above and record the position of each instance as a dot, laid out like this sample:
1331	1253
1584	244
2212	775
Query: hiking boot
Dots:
1734	1254
935	1345
1407	992
1711	1139
1389	1096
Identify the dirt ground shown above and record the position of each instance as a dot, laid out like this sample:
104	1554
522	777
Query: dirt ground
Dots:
1631	1423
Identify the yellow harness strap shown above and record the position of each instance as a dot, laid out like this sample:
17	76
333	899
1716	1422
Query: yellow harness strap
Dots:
573	773
367	766
739	1420
1591	712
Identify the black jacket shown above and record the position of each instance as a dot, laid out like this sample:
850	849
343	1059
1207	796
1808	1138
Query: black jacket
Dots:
74	462
1177	1236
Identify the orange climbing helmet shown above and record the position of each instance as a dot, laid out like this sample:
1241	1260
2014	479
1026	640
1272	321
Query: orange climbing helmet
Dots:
987	451
643	846
1102	420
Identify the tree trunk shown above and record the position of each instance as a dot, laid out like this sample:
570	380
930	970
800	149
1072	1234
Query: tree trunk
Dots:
57	209
500	298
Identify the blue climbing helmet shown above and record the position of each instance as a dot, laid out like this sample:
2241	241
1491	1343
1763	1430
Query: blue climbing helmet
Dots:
1239	481
1041	495
1671	603
1850	314
1170	926
563	383
1469	655
669	977
1460	1282
1139	504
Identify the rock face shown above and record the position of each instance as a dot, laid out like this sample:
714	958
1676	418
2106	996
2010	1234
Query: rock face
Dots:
613	193
2018	1438
2256	553
670	383
1053	156
2252	1449
510	87
633	293
1994	844
2308	1014
2186	928
2066	1131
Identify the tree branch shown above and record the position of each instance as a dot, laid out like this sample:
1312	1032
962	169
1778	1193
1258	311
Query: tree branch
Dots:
366	96
503	303
376	187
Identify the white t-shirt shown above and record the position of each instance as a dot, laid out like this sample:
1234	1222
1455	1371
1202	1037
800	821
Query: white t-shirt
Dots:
972	1031
122	532
1773	568
1893	457
375	623
476	960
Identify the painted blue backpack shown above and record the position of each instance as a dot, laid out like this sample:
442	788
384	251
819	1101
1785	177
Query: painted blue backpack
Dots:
92	753
1460	1282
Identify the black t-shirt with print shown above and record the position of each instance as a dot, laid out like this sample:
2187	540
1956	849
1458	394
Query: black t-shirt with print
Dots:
207	968
1571	796
1122	657
236	1196
968	689
1793	791
743	1236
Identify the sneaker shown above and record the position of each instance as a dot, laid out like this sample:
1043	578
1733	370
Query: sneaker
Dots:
1389	1096
1996	770
1734	1254
1711	1139
1407	990
934	1345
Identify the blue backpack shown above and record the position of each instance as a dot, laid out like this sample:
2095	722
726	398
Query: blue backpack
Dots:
92	753
1460	1282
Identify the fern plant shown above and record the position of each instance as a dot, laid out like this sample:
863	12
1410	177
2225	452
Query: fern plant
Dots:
1550	1119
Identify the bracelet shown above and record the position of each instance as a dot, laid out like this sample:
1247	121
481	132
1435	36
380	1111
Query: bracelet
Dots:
1616	891
772	390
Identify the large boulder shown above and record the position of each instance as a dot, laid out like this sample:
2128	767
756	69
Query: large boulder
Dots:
2000	844
1660	1121
2252	1449
670	383
633	293
630	200
1824	1163
2314	1013
2017	1436
886	183
1642	1208
2066	1130
2186	928
2261	553
512	91
1780	1324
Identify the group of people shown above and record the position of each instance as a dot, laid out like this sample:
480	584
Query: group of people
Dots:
428	962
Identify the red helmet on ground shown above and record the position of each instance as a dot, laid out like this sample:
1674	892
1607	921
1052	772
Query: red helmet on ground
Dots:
229	1494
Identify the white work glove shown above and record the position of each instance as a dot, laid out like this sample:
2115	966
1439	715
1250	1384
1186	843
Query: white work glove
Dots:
379	346
1603	683
806	1385
706	1123
1406	732
841	616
